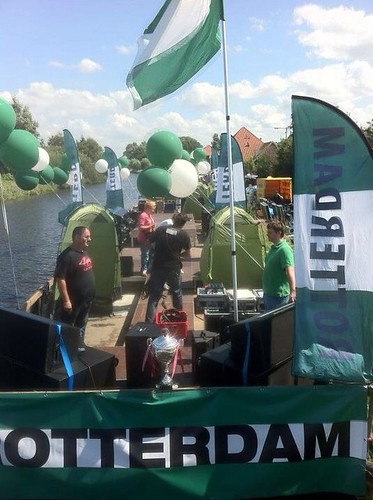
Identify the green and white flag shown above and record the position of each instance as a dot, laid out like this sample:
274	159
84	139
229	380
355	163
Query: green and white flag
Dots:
181	39
73	157
114	193
223	189
333	227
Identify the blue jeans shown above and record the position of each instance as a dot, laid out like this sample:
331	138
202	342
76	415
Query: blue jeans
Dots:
144	248
271	302
157	280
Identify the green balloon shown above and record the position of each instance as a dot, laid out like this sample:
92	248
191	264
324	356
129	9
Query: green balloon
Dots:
154	182
163	148
123	161
65	163
7	120
199	154
20	151
185	155
60	176
46	175
27	180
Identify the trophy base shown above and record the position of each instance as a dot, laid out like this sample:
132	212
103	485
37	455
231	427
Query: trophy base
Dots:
166	383
166	387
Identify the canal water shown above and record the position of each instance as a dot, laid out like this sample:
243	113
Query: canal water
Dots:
30	235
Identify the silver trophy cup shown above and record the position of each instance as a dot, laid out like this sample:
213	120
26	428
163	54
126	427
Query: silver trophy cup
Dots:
163	349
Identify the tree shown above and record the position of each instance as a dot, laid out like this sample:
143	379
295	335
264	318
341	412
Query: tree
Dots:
368	132
145	163
24	119
135	165
89	152
56	140
135	151
189	143
55	148
285	166
90	148
262	166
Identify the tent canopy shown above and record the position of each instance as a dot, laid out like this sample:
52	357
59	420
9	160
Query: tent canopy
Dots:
251	246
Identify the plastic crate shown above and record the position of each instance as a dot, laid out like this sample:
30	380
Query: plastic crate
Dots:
177	328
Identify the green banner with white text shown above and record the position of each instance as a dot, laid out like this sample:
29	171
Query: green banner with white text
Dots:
333	224
220	443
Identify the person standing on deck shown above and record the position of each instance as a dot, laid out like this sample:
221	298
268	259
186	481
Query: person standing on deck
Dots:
76	282
146	226
171	243
278	275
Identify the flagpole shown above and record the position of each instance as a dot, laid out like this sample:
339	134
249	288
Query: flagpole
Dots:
230	169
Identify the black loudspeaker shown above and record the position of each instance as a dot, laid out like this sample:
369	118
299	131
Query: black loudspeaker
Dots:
202	341
216	368
259	353
219	321
126	265
262	342
33	341
94	369
136	342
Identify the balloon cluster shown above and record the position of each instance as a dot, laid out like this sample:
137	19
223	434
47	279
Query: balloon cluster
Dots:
172	171
21	153
102	165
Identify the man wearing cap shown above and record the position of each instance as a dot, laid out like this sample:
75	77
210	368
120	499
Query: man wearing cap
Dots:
171	243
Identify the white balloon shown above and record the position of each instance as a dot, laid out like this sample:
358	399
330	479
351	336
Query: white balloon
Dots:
101	166
184	178
42	162
124	173
203	167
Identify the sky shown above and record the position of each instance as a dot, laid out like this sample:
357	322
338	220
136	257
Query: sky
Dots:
68	62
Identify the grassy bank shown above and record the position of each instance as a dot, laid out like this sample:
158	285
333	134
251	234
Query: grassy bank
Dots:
10	190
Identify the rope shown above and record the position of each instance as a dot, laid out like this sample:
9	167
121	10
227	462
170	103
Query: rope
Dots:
49	185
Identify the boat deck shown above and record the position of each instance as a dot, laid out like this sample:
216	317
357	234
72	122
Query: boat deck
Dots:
108	333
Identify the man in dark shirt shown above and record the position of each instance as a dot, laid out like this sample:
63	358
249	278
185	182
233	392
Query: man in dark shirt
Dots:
76	282
170	244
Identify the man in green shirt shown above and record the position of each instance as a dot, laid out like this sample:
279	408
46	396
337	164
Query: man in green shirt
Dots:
278	275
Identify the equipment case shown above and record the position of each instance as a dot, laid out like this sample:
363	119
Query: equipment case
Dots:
202	341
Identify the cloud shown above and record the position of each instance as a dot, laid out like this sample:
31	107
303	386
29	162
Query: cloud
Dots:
89	66
203	95
84	66
198	110
242	90
238	49
123	49
57	64
256	24
340	33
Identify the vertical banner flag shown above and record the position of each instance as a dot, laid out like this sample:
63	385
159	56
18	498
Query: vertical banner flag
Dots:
180	40
333	227
72	155
114	193
214	160
223	187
